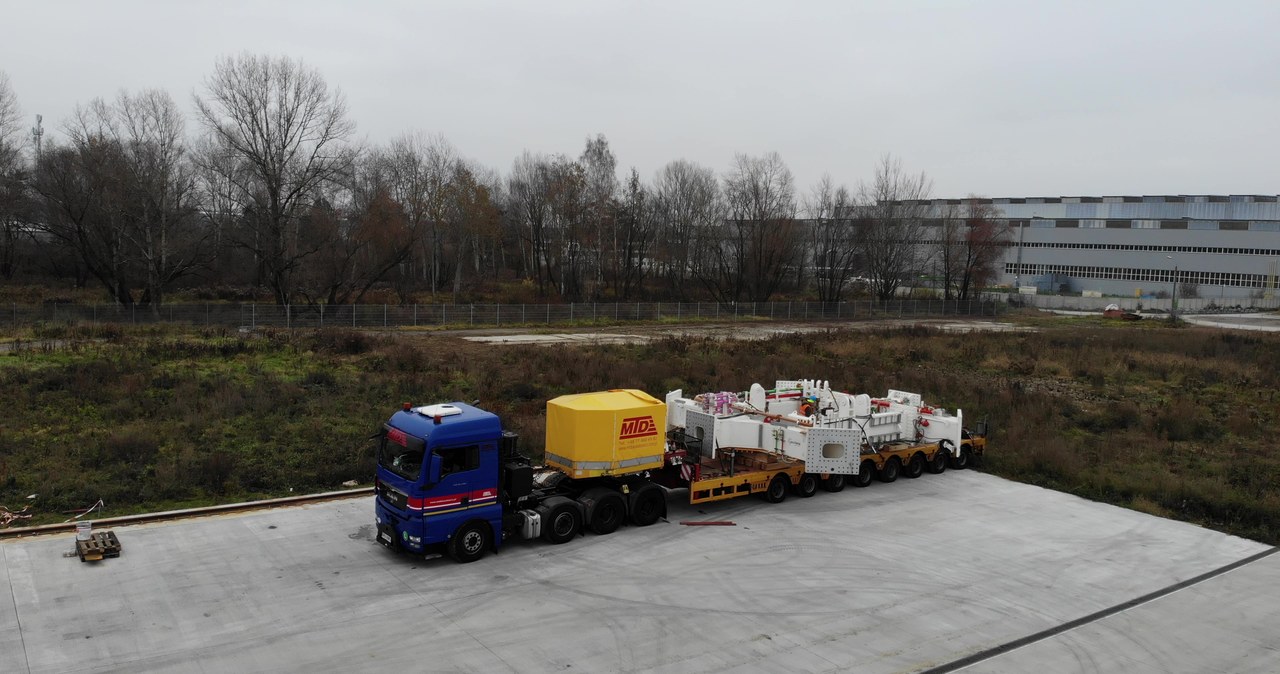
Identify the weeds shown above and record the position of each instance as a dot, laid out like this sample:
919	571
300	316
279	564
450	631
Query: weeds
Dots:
1170	422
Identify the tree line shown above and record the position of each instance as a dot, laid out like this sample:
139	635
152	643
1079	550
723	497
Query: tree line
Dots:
269	189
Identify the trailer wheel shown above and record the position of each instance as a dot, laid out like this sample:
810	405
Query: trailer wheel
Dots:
938	463
469	543
808	485
834	483
915	466
890	471
777	490
647	505
960	460
562	522
866	473
605	510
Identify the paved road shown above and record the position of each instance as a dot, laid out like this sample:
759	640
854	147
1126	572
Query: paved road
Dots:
900	577
1260	322
753	331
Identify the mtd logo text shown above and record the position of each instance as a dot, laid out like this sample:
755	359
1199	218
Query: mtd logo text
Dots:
637	427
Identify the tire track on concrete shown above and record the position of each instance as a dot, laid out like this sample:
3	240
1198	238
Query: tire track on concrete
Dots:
996	651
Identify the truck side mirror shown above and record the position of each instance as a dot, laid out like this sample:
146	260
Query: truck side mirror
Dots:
431	471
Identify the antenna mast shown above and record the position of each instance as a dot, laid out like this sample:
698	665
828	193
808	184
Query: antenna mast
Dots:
37	132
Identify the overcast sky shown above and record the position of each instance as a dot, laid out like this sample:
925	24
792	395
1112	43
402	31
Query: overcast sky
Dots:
992	98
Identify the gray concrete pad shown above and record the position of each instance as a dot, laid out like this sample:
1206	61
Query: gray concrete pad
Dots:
897	577
1230	623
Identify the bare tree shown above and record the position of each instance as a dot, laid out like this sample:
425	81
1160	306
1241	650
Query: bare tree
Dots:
13	201
420	168
121	195
832	244
890	223
633	238
975	248
470	220
163	226
528	207
600	205
759	238
367	233
687	203
569	250
281	121
82	188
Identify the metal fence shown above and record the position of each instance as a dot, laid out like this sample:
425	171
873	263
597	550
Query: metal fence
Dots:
488	315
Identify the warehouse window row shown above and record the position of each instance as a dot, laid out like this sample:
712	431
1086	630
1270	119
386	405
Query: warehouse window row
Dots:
1213	278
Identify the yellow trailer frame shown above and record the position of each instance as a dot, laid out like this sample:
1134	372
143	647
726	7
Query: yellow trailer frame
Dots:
740	471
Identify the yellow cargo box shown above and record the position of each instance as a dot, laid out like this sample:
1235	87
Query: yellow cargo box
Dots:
605	433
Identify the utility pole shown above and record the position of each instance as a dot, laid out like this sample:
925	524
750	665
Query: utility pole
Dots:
37	132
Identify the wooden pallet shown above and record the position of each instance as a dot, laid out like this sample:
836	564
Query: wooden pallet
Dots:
100	545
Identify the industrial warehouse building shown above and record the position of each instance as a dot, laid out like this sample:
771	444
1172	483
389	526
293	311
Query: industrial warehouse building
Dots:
1220	246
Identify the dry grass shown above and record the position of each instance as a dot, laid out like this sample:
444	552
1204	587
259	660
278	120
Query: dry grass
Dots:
1171	422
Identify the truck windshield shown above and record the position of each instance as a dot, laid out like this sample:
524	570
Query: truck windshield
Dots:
401	453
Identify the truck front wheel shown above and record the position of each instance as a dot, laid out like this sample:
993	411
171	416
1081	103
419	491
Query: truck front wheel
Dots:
833	483
470	542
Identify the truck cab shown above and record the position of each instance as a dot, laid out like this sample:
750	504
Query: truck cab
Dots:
437	480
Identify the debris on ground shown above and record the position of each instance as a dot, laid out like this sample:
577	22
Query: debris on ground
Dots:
8	517
351	483
77	513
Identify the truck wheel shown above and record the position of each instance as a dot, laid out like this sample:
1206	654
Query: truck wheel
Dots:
647	505
777	491
561	522
605	510
833	483
960	460
866	473
938	463
470	542
915	466
891	469
808	485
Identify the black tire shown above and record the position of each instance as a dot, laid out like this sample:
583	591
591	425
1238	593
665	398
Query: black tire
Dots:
938	464
866	473
914	467
960	460
890	471
648	505
834	483
777	490
605	508
470	542
562	522
808	485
